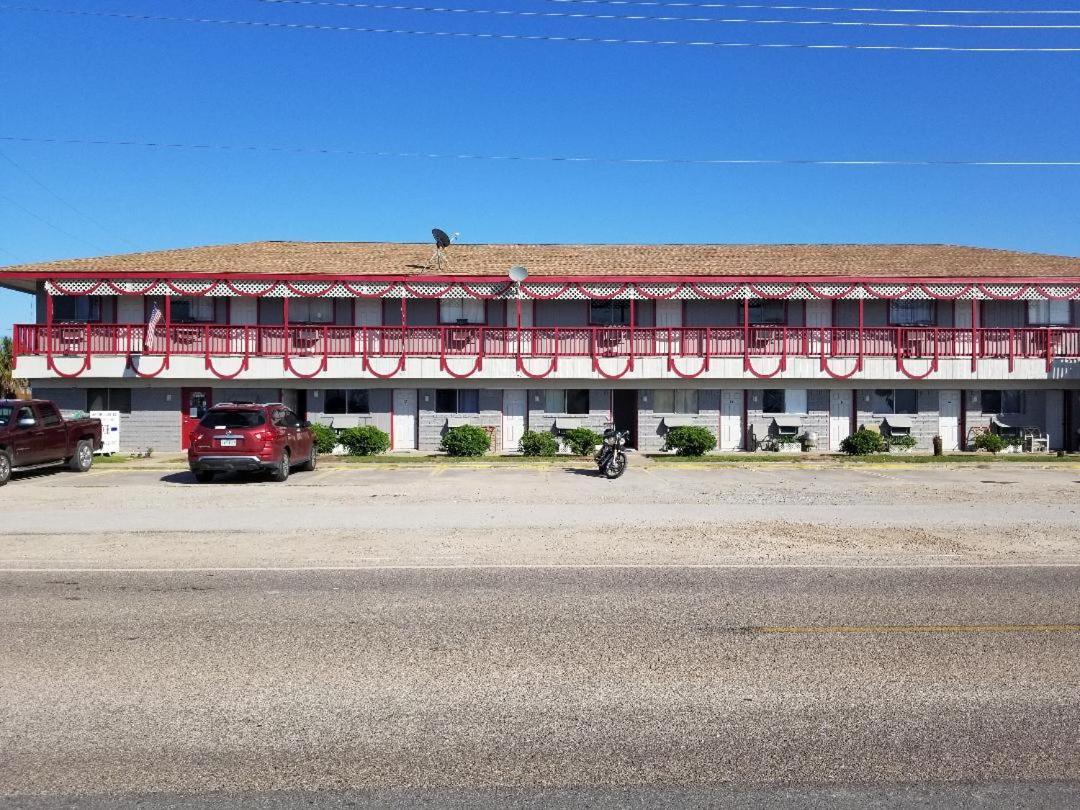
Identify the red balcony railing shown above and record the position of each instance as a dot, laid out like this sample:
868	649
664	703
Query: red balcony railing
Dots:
92	340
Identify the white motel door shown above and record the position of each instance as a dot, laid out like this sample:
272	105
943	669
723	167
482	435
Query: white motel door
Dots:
514	401
404	418
949	419
731	419
839	417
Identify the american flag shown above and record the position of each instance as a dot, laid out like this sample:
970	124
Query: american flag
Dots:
152	324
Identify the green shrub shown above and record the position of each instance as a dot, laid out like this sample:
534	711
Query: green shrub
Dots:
538	444
465	440
325	438
689	441
901	442
582	441
990	441
863	442
366	440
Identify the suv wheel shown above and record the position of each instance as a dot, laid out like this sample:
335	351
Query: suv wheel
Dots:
5	468
311	463
204	476
83	459
281	471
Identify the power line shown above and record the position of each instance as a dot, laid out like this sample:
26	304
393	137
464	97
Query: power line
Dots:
536	37
766	7
56	228
318	150
573	15
63	201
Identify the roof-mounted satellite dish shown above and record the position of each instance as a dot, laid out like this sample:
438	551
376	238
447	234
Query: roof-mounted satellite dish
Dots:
442	238
517	273
442	241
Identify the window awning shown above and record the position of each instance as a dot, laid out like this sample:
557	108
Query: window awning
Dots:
458	421
897	421
569	422
788	421
679	421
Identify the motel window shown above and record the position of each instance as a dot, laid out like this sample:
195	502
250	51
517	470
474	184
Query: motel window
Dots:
609	313
1047	313
675	400
108	399
765	312
898	400
783	400
455	400
911	313
77	308
567	400
311	310
461	311
342	401
192	310
995	402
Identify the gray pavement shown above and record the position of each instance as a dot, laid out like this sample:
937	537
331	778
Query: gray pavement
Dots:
673	639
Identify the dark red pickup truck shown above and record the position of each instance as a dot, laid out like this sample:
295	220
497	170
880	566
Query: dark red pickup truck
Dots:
34	434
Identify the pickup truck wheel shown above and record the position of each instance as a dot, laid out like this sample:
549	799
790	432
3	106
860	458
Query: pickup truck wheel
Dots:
83	459
5	468
281	471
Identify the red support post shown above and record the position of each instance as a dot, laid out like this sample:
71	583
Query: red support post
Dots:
1012	348
746	333
859	361
974	334
1049	348
168	329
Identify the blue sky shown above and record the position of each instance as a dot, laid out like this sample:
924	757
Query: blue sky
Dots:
114	79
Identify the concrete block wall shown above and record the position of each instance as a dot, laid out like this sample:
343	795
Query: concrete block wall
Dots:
154	420
924	424
1034	412
815	420
652	427
380	402
432	426
598	418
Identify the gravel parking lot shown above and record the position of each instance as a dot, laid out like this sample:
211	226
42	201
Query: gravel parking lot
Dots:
549	514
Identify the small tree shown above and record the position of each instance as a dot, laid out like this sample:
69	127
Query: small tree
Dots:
582	441
689	441
991	442
366	440
325	438
465	440
863	442
538	444
10	385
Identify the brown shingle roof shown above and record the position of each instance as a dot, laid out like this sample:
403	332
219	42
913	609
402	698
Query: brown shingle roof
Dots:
396	259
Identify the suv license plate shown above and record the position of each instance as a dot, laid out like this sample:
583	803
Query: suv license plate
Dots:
228	442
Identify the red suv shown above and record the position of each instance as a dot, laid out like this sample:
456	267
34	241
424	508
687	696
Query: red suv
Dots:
245	436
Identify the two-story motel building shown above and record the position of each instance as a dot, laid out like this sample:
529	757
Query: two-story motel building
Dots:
741	339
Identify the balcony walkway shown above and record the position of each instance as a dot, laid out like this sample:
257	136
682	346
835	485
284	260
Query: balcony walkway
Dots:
687	348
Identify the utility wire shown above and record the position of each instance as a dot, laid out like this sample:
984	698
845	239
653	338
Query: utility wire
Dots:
536	37
63	201
767	7
573	15
56	228
318	150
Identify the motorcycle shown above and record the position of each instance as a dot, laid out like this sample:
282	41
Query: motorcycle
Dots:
611	459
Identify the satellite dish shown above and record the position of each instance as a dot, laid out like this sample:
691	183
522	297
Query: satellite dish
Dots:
518	274
442	238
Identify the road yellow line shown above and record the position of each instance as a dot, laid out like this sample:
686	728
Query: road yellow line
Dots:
922	628
321	475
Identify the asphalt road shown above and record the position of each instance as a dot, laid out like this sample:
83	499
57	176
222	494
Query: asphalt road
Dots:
628	655
590	680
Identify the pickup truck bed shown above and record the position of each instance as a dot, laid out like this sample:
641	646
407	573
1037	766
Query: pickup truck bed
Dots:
33	434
